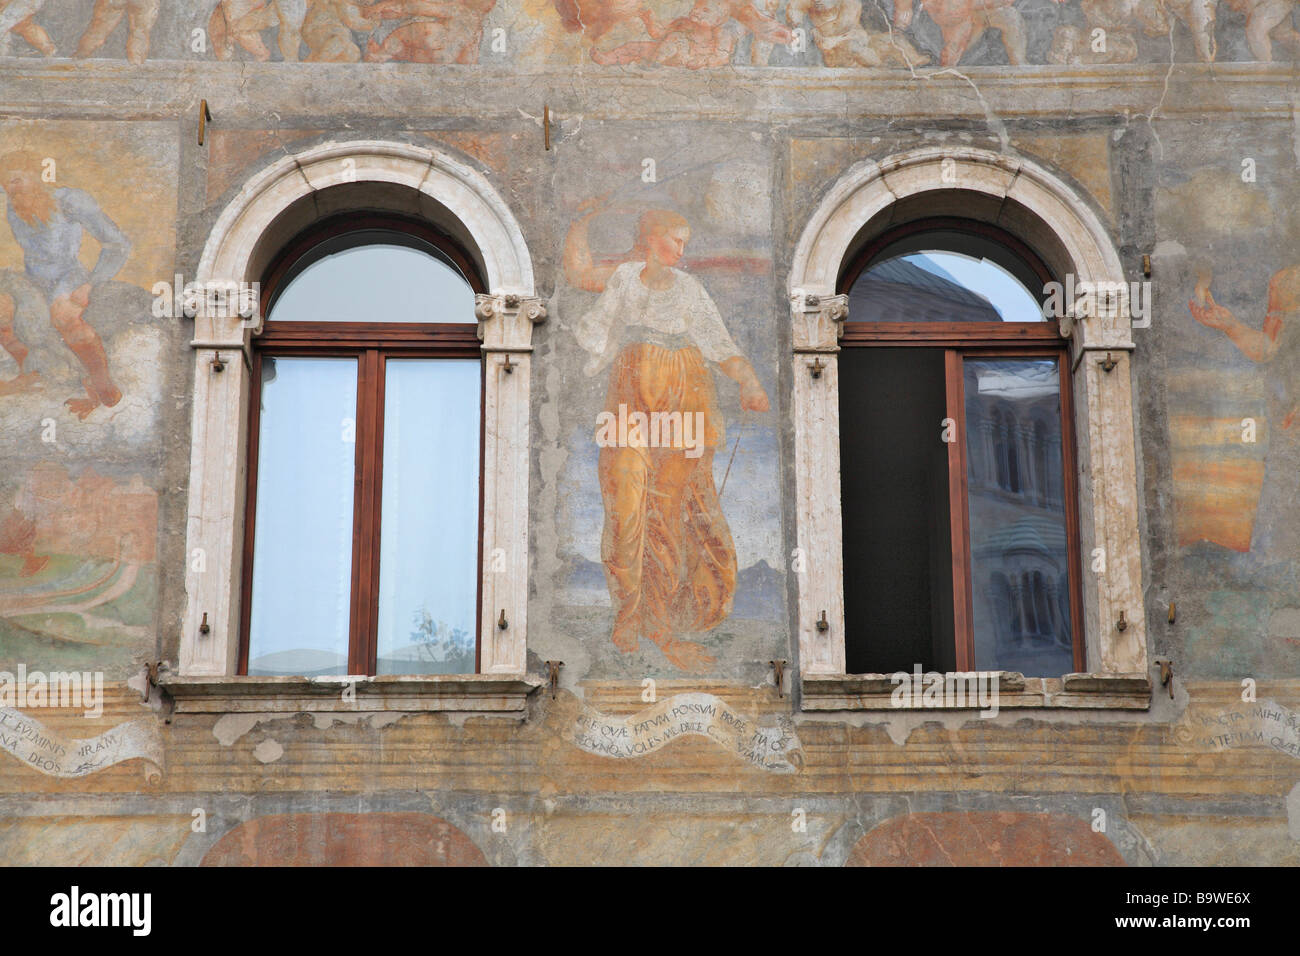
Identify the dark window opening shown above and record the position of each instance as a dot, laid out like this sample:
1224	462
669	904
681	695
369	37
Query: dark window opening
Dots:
960	523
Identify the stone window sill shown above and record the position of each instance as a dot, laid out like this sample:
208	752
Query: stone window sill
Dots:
1073	691
464	693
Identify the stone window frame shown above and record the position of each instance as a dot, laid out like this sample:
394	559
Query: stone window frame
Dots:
1043	211
276	204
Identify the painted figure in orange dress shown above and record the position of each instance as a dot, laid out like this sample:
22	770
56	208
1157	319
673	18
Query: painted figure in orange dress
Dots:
670	563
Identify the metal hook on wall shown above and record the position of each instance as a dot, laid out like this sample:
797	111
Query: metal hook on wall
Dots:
205	117
778	670
553	672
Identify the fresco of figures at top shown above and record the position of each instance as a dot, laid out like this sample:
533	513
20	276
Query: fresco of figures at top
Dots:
684	34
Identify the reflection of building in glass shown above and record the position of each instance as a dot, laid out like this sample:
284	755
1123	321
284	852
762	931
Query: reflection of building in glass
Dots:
898	291
1019	555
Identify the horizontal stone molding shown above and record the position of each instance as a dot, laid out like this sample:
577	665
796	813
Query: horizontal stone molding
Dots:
1015	691
243	93
468	693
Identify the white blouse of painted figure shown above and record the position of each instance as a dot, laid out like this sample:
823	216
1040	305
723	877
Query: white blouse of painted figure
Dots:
628	311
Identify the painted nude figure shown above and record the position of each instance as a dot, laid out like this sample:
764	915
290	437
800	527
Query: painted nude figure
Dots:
242	22
1117	43
1117	20
1275	345
327	30
963	21
48	223
601	19
698	40
670	562
1266	21
16	17
440	31
844	41
107	14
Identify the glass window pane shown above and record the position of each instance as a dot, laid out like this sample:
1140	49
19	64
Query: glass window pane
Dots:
1019	547
934	286
376	283
302	542
428	552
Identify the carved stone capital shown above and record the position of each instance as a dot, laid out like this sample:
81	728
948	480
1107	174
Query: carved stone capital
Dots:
1100	315
817	321
505	321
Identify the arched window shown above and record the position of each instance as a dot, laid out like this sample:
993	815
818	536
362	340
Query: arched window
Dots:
945	351
362	530
395	322
1015	217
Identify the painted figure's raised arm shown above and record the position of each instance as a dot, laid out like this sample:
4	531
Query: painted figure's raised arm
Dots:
579	267
1259	345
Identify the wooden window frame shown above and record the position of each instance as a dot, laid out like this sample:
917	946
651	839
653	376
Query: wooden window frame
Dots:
959	340
372	344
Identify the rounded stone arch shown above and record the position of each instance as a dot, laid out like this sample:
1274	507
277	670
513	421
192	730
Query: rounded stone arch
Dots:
1063	229
1012	192
337	177
274	206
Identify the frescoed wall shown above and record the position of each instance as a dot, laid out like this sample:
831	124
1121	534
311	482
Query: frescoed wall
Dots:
671	557
689	34
662	159
81	382
1226	337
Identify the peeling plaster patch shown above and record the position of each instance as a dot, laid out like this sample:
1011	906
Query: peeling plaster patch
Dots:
375	720
268	751
899	725
230	727
1168	249
1214	203
140	683
1293	813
